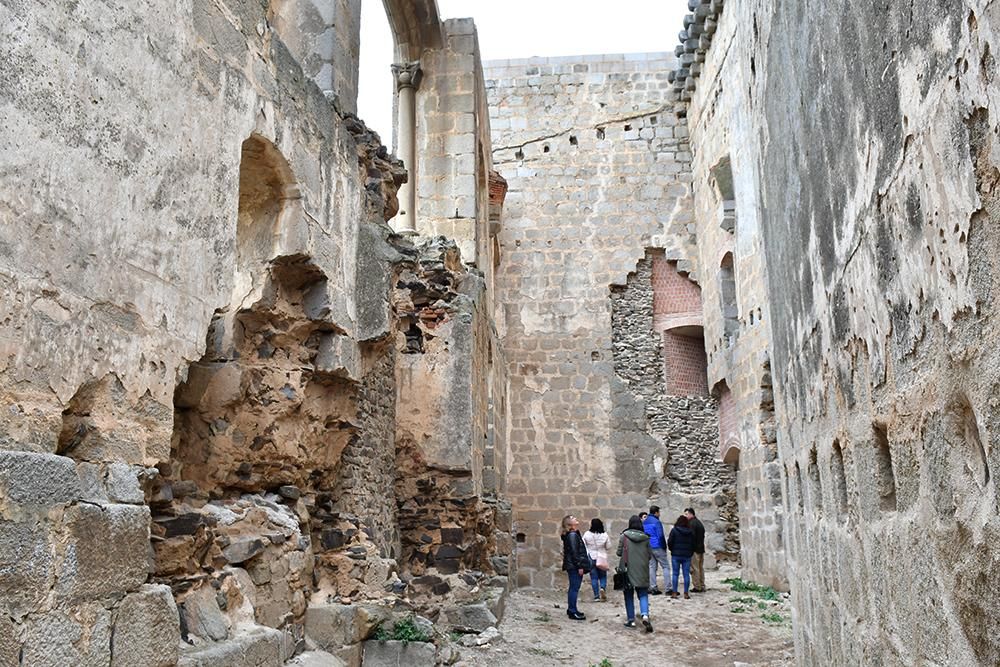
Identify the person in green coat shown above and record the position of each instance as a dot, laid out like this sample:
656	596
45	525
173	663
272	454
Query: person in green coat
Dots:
634	552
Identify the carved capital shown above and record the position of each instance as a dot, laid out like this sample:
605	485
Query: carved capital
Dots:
407	75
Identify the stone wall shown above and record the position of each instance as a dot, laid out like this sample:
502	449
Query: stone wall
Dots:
876	204
198	453
597	174
670	438
734	282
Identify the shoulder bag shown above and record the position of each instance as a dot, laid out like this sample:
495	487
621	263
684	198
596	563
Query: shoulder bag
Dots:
620	577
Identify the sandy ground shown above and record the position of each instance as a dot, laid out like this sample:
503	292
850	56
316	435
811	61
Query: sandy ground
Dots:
701	632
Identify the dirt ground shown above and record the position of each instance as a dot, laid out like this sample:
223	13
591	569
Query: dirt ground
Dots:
702	632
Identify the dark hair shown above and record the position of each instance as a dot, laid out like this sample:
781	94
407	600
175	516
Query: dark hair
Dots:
634	522
654	509
643	515
681	521
596	526
690	511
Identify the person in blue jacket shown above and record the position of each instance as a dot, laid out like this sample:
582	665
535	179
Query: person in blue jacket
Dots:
658	548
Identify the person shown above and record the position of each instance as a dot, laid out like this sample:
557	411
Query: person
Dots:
575	562
681	545
642	516
597	543
698	557
633	549
658	548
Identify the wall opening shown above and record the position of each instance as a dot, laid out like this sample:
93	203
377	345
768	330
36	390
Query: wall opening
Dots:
722	176
839	476
885	479
815	484
799	500
727	296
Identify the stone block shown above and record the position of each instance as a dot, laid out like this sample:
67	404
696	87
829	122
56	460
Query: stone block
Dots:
202	616
254	647
335	625
470	618
107	551
338	355
25	564
80	636
10	648
122	483
399	654
147	629
37	480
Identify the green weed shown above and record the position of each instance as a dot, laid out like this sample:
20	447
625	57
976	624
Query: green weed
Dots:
773	618
405	630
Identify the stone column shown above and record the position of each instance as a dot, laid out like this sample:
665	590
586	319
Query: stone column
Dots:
407	77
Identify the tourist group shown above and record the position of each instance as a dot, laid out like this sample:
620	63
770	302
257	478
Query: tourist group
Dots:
642	550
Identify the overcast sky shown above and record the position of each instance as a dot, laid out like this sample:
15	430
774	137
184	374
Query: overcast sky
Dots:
520	29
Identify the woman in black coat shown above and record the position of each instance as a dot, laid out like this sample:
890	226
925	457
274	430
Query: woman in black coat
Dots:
681	545
576	562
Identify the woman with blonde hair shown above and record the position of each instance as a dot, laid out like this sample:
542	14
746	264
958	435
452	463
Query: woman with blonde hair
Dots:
576	562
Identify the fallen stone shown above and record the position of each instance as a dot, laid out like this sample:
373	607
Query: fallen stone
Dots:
202	616
316	659
290	492
470	618
399	654
38	480
243	549
335	625
147	630
482	639
254	647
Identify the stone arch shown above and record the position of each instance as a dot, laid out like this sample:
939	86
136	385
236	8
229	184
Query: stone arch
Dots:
729	436
269	203
415	24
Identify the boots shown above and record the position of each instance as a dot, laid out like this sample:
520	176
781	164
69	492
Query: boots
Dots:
686	596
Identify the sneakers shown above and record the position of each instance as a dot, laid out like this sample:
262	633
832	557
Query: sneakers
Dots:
646	624
598	598
575	615
655	591
630	624
604	595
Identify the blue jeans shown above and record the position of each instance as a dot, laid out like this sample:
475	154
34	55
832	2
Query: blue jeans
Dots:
575	579
678	565
643	595
598	580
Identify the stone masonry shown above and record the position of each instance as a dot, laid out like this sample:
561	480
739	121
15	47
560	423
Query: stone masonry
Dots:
212	346
598	172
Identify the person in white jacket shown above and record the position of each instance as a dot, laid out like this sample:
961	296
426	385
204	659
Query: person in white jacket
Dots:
597	543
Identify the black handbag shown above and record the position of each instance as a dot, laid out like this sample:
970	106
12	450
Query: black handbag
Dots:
620	578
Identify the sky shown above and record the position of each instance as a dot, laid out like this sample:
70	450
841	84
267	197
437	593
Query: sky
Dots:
521	29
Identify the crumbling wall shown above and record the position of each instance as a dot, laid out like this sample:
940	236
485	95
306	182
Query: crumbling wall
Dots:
455	528
666	445
877	185
596	174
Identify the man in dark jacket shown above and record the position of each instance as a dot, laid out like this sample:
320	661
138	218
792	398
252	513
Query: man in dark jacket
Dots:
576	563
658	548
698	558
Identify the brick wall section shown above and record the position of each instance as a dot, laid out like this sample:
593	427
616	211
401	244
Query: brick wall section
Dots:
596	173
672	292
684	363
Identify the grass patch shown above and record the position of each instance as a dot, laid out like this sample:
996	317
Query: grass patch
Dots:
738	585
603	663
404	630
543	617
773	618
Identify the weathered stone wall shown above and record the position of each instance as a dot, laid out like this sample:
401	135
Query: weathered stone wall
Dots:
877	201
597	174
671	438
736	329
197	343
